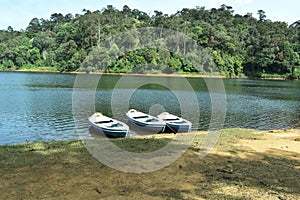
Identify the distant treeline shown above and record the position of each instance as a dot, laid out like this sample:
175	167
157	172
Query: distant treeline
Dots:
237	44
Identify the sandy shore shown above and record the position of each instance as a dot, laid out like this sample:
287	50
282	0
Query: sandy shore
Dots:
245	164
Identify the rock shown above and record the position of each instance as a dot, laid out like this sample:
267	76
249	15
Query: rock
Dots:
229	171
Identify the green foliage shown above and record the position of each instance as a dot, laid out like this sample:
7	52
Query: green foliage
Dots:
233	44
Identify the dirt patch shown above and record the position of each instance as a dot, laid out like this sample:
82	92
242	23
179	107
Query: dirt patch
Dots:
245	164
275	140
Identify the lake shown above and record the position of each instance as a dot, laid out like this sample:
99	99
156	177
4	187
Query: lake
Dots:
40	106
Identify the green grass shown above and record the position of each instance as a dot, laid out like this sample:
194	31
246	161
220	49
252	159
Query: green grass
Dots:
141	145
37	68
66	170
227	138
275	76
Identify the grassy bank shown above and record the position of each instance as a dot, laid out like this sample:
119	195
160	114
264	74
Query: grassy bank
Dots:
54	70
245	164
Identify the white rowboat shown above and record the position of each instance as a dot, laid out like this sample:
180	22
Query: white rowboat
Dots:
110	127
146	121
174	123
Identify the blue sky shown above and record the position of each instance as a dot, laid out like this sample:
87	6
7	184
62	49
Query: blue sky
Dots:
18	13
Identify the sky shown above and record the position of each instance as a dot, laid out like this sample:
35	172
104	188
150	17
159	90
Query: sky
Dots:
18	13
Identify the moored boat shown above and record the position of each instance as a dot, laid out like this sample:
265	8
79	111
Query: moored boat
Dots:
110	127
146	121
174	123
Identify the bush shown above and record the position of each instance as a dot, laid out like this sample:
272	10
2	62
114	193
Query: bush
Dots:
295	75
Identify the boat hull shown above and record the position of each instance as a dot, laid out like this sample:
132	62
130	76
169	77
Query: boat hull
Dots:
145	122
170	128
143	127
110	133
107	126
175	124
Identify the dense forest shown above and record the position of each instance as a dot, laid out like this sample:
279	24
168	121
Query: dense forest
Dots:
238	44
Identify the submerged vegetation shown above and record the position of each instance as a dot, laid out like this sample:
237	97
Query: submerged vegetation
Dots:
237	44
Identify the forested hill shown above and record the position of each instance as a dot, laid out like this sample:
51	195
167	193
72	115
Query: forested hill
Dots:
249	44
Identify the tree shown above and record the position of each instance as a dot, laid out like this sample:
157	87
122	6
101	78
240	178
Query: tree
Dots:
10	29
33	27
232	44
261	15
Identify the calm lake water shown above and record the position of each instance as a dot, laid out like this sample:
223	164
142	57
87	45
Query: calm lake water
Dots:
38	106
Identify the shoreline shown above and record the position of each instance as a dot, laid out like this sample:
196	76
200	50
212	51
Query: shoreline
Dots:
147	74
123	74
165	136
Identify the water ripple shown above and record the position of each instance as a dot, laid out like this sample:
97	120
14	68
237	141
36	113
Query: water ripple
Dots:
38	107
